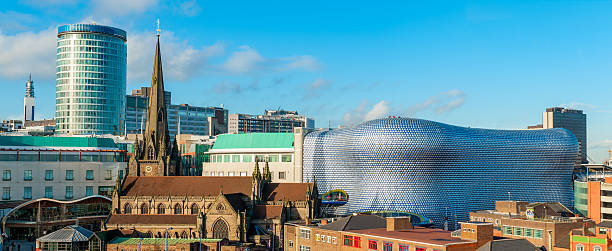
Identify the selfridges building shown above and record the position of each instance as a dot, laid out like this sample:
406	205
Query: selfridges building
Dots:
437	170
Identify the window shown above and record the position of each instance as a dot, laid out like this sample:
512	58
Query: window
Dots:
161	209
6	193
351	241
537	233
48	174
528	232
6	175
282	175
518	231
404	247
260	158
420	249
579	247
603	230
247	158
235	158
597	248
89	175
507	230
290	243
105	190
178	209
304	248
317	237
49	192
27	192
27	174
68	192
273	158
120	174
230	174
226	158
373	244
69	175
88	191
305	233
109	175
243	173
388	246
286	158
334	240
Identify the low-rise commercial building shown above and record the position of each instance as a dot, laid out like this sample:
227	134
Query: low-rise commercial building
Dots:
270	121
545	225
63	168
235	154
370	232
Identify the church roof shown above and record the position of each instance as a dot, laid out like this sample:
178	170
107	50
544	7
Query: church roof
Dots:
185	185
267	211
153	219
254	140
286	191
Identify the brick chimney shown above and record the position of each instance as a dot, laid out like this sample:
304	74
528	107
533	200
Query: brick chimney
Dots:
399	223
481	232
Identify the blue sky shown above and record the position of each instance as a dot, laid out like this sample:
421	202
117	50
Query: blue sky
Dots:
478	64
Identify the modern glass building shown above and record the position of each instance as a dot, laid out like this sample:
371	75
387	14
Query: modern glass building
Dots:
438	170
91	78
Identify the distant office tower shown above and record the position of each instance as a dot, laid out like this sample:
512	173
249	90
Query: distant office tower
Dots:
271	121
570	119
91	77
194	120
28	101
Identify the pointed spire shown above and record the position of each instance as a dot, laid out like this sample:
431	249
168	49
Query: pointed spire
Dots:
256	173
136	151
267	176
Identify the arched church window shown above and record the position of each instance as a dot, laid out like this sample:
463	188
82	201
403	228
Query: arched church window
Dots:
220	229
194	208
144	208
127	208
161	209
178	209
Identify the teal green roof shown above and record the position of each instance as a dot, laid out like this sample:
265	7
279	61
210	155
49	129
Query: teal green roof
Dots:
254	140
41	141
157	241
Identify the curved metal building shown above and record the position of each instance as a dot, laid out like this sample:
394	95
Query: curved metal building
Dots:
439	170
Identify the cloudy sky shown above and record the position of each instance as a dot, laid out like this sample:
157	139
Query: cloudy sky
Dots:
342	62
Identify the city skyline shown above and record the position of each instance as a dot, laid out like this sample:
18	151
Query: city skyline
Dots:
478	65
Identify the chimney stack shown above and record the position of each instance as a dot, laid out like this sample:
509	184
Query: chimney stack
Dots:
399	223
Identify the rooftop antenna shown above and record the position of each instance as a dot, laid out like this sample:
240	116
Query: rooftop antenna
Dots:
158	29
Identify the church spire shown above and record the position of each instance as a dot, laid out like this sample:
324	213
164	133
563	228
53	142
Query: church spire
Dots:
157	126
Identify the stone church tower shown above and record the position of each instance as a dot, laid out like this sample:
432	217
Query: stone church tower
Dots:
154	156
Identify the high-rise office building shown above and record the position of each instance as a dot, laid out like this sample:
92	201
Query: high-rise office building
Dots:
271	121
91	77
194	120
28	101
570	119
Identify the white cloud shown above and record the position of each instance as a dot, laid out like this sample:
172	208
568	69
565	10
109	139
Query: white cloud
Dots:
28	52
190	8
180	60
47	3
361	113
247	59
313	89
15	21
603	144
578	105
121	7
244	60
441	103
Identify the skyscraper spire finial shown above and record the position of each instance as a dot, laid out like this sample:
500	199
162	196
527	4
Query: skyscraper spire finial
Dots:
158	29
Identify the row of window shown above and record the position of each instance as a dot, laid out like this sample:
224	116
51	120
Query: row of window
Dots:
64	157
326	238
218	158
117	75
91	55
27	192
355	241
524	232
83	107
281	175
107	82
161	209
90	36
89	175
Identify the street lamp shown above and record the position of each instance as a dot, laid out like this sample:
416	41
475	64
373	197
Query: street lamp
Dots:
200	232
168	228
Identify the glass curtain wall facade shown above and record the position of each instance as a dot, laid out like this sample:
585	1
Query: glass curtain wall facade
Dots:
91	79
438	170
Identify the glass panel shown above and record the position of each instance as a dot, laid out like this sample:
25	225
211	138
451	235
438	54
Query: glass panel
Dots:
247	158
273	158
286	158
235	158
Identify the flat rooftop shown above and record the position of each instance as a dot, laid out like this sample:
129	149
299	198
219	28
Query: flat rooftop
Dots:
418	234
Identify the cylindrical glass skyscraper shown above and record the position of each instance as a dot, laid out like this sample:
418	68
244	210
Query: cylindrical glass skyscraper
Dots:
91	77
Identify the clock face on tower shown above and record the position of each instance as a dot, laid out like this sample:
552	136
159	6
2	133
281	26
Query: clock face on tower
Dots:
148	169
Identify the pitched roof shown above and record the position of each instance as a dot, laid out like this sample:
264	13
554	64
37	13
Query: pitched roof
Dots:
254	140
286	191
235	200
68	234
152	219
157	241
185	185
267	211
357	222
605	223
508	245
